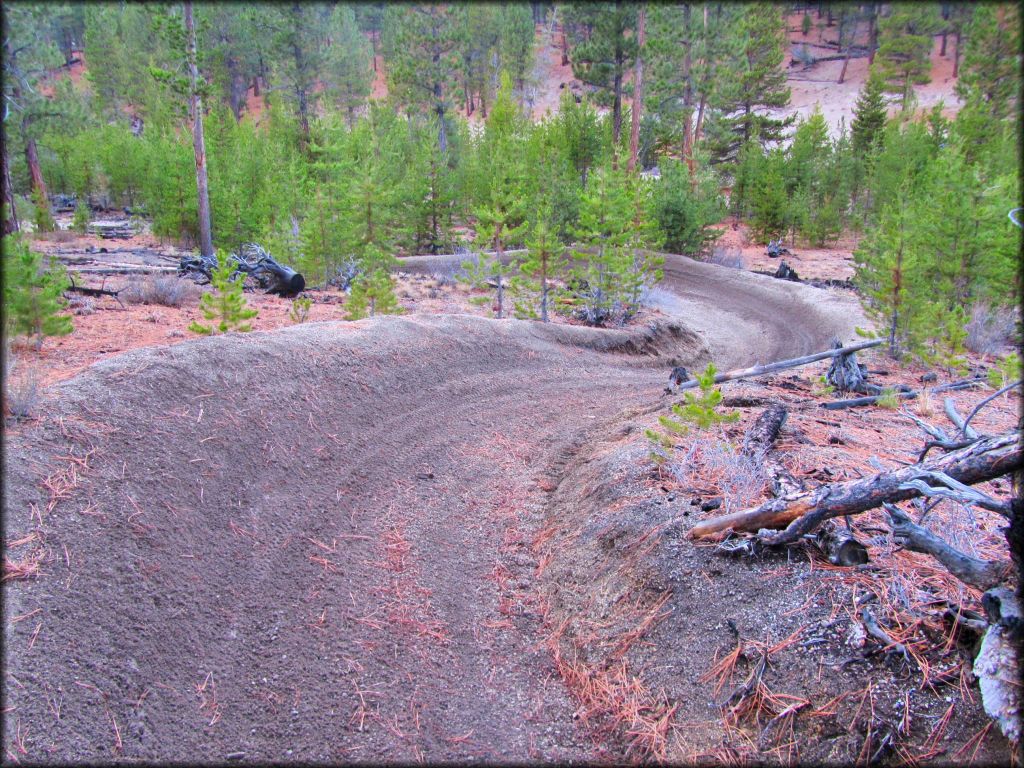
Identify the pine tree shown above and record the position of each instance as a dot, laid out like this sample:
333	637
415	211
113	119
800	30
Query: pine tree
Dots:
226	304
421	43
885	272
686	212
602	260
905	46
373	293
752	81
869	115
80	223
607	54
992	59
33	294
501	216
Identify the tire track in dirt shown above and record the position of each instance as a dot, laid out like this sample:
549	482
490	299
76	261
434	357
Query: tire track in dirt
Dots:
261	500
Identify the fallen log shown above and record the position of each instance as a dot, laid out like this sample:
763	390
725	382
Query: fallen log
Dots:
254	261
836	405
758	442
958	421
94	292
982	574
782	365
805	511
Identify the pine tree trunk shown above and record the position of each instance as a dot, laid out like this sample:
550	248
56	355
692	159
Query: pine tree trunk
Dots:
544	294
198	141
617	104
700	118
942	51
11	217
565	48
638	88
32	159
956	56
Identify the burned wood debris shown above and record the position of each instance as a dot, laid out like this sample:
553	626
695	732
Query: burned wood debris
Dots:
254	261
113	229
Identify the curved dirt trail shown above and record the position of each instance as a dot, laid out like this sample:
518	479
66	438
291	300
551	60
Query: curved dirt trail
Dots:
314	544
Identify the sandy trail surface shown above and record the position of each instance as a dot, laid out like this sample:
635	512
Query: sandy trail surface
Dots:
313	544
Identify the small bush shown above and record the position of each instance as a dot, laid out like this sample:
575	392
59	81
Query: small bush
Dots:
299	312
165	290
989	329
22	392
225	304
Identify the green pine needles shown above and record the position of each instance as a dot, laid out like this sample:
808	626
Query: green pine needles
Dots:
33	293
225	304
699	411
373	293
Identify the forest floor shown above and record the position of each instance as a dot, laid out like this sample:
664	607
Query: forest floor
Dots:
441	537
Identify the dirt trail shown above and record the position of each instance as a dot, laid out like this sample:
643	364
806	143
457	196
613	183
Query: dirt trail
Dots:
313	544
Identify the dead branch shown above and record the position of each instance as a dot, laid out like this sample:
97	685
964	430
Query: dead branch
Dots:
805	511
937	432
875	630
988	400
983	574
782	365
94	292
958	421
836	405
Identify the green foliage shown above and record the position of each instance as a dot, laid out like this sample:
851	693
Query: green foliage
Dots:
752	81
905	46
299	311
869	115
33	293
607	53
80	223
888	399
990	71
1006	370
43	218
685	212
373	294
226	304
699	411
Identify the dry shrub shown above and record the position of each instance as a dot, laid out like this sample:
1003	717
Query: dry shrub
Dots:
81	305
726	256
739	477
165	290
22	388
990	328
56	236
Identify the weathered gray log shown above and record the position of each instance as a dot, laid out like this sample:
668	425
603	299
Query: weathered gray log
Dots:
983	574
958	421
840	546
804	512
758	442
782	365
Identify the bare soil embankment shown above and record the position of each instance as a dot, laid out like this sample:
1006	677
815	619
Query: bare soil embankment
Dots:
316	543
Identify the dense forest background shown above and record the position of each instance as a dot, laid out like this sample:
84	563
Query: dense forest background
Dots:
304	156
